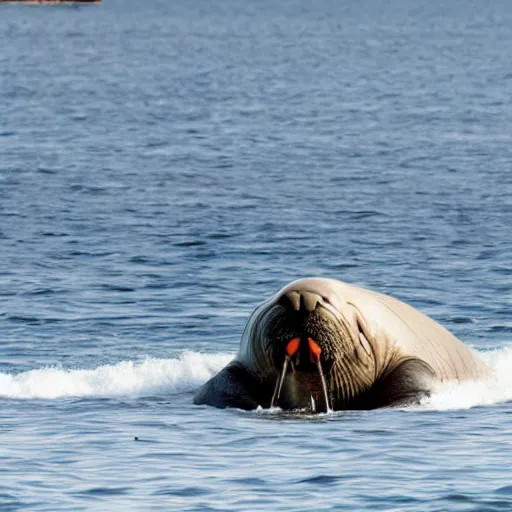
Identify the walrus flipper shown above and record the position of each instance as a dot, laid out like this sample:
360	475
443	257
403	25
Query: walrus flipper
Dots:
229	388
407	384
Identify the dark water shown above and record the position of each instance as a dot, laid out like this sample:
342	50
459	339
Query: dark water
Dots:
165	166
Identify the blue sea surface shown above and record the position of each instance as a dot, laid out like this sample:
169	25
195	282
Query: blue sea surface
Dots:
166	166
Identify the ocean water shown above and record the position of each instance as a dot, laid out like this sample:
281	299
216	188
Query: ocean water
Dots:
166	166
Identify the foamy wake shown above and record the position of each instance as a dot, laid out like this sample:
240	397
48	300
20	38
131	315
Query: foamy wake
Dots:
187	372
496	389
144	378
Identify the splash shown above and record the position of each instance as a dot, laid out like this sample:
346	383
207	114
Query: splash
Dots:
189	370
464	395
126	378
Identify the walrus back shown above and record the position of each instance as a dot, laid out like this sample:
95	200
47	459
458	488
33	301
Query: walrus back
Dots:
417	335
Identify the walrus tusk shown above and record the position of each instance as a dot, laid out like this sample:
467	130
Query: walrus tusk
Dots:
280	381
314	354
291	349
324	386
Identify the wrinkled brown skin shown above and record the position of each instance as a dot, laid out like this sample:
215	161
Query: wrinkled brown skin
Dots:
376	351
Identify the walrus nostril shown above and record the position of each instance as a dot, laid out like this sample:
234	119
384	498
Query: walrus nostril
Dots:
291	300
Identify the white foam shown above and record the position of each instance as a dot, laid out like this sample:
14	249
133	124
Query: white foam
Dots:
496	389
126	378
187	372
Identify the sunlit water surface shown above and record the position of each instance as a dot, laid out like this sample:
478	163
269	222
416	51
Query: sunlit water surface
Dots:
165	166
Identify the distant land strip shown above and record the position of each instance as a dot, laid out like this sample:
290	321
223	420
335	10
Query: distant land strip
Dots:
35	2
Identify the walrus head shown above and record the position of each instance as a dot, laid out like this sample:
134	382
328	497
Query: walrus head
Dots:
323	344
313	344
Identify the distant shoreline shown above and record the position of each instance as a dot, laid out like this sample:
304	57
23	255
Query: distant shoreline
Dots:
33	2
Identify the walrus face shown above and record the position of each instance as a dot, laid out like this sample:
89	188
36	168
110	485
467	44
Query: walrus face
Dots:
314	347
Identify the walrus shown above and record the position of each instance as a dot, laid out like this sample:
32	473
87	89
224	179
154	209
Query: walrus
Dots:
322	345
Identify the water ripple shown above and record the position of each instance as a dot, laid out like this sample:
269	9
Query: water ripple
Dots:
165	166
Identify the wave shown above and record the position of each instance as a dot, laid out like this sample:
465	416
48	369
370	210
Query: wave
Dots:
185	373
148	377
464	395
